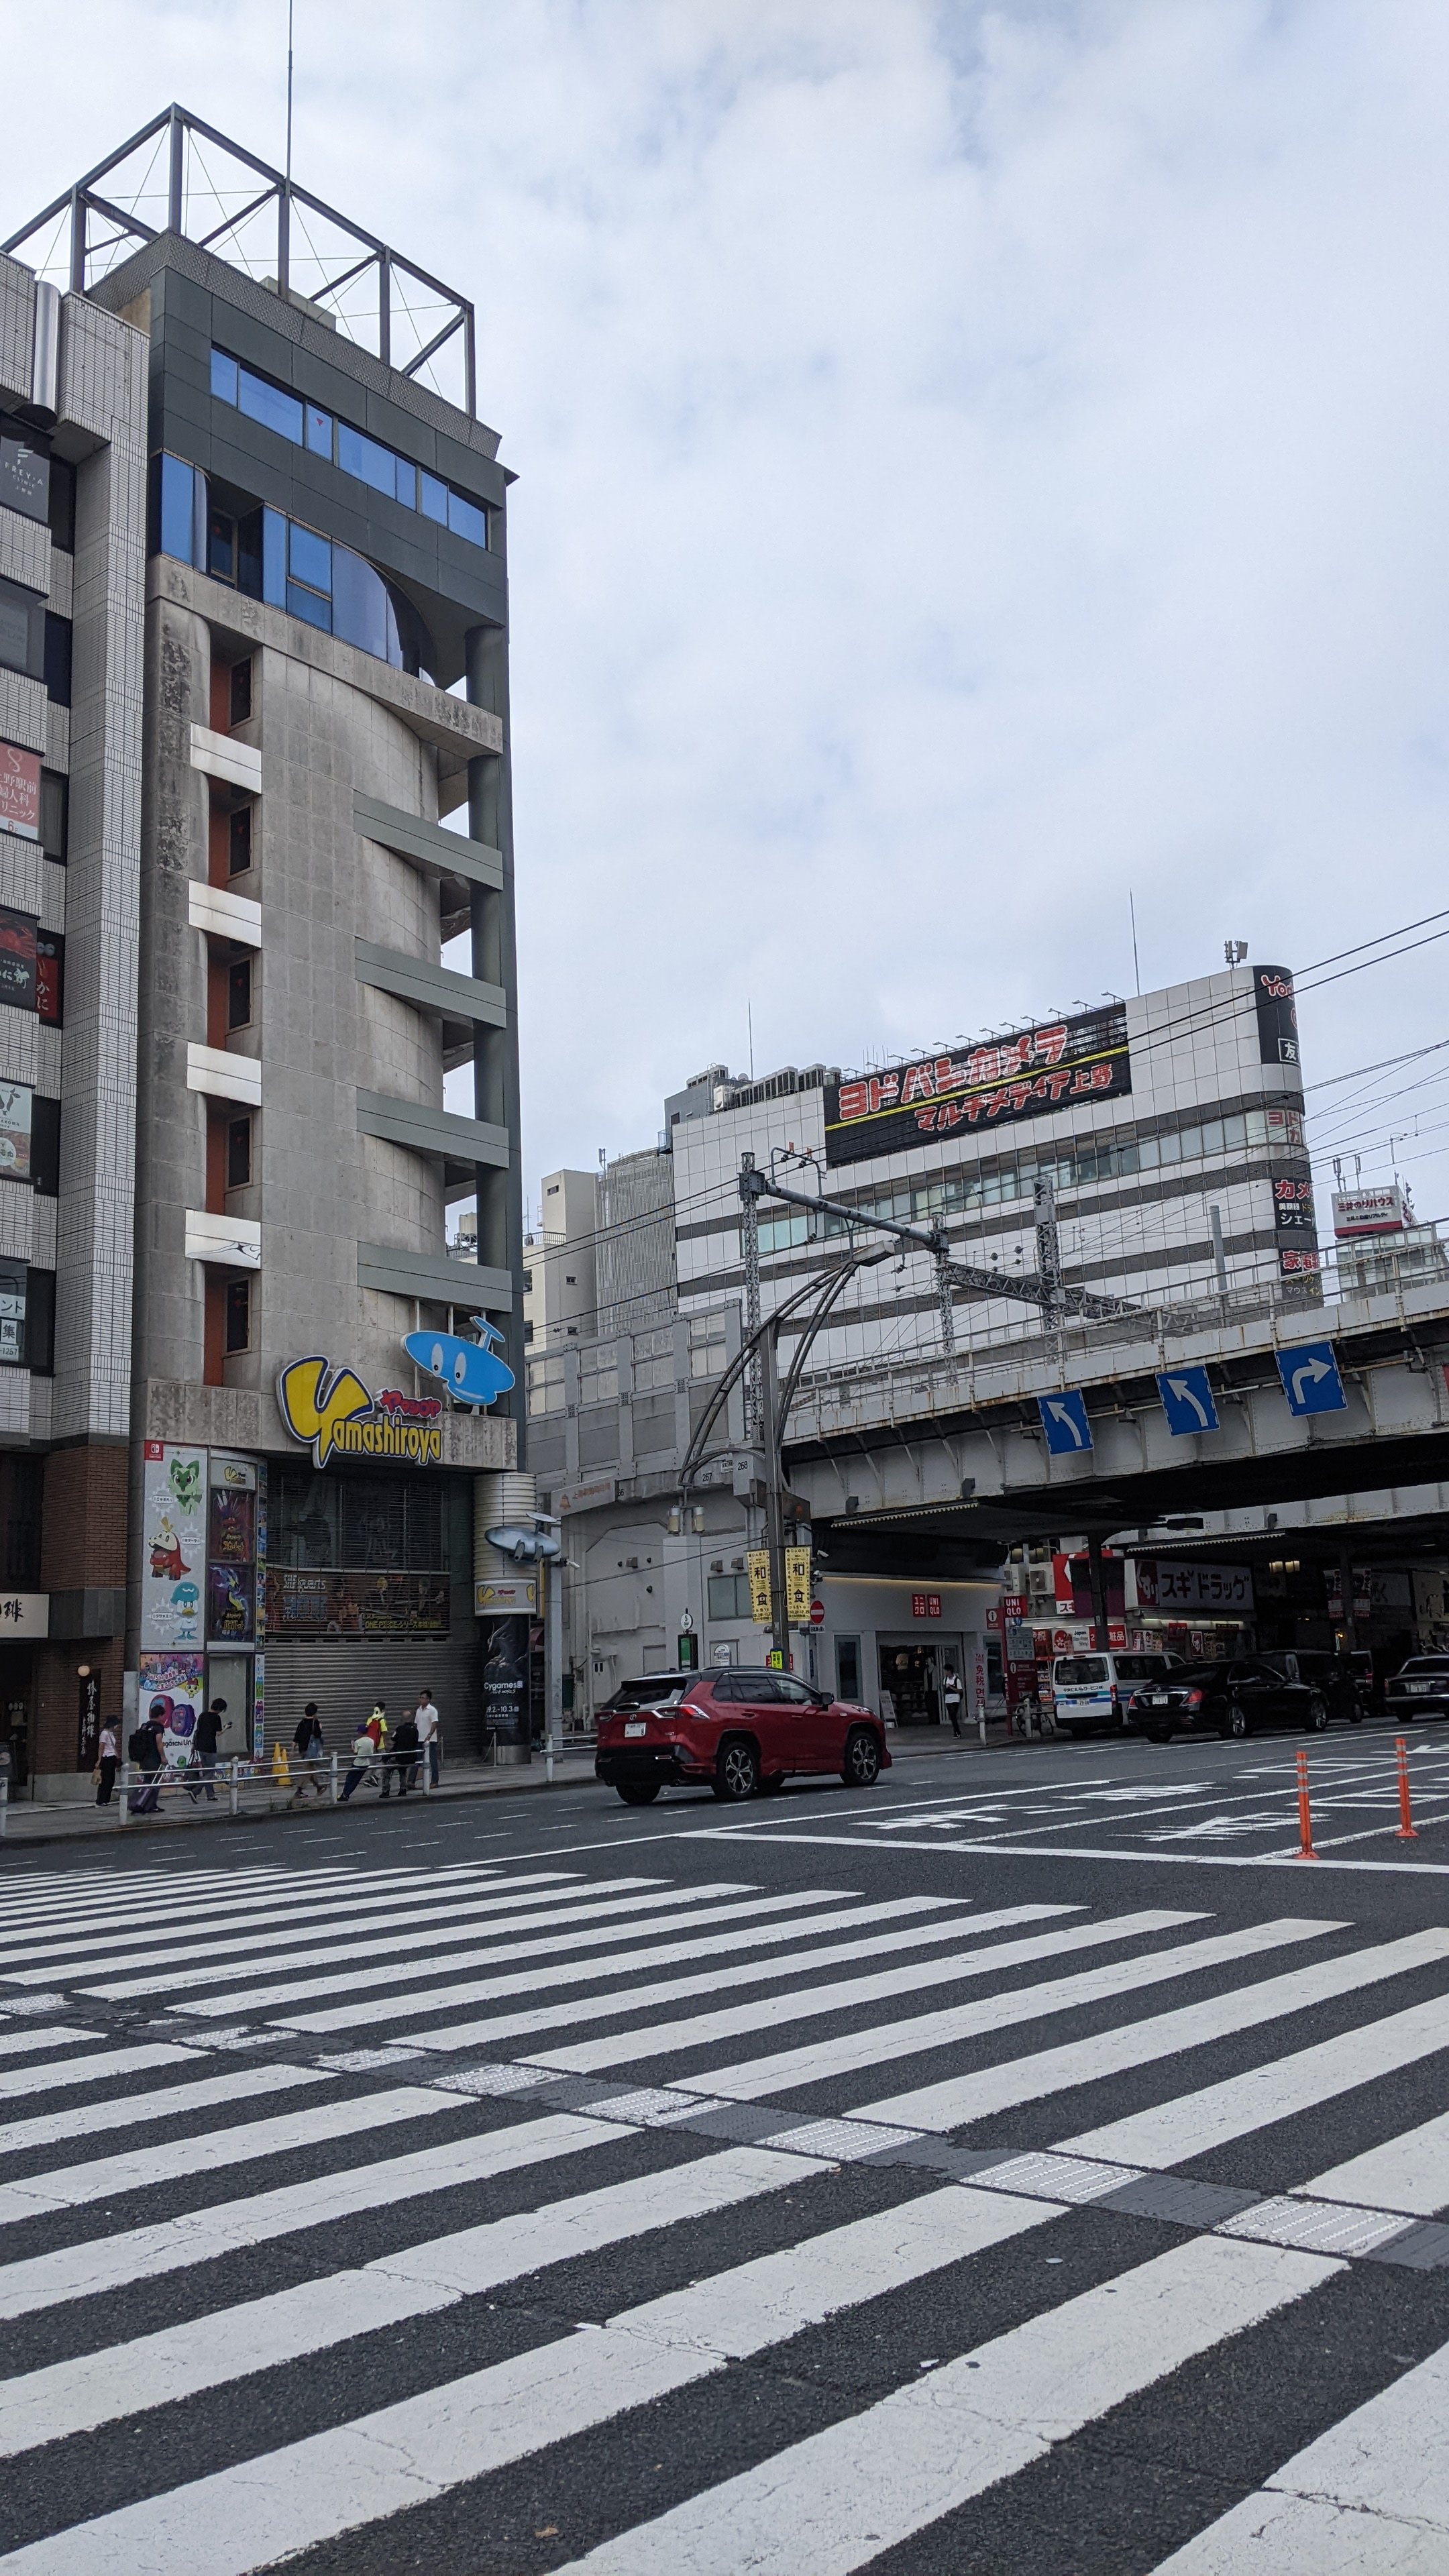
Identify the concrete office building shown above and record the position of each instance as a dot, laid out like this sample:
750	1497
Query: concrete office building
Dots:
1171	1128
560	1275
288	668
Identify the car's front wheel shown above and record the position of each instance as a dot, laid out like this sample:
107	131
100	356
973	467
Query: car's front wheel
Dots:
1235	1725
1317	1719
861	1767
638	1793
737	1772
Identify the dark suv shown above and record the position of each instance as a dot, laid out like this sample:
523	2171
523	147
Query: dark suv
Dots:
735	1730
1232	1699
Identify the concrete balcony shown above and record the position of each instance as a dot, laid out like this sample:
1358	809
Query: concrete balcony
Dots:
236	1241
221	756
224	1076
225	916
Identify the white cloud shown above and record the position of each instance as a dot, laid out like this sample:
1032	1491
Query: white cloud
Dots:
973	461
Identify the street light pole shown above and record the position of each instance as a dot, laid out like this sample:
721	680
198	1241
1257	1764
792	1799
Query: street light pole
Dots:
774	1497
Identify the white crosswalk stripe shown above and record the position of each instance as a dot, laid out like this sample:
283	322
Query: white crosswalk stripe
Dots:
406	2169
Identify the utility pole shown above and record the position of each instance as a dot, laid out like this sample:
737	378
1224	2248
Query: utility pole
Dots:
774	1499
943	1295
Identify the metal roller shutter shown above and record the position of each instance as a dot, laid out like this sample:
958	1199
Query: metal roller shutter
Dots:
344	1675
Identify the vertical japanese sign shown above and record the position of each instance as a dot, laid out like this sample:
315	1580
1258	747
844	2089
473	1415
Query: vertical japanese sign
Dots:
19	791
1277	1015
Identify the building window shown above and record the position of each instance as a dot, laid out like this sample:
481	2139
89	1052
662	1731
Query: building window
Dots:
729	1596
40	1322
54	815
45	1146
238	1153
527	1281
239	842
241	691
62	505
379	467
24	472
528	1328
239	993
57	659
22	631
221	546
238	1335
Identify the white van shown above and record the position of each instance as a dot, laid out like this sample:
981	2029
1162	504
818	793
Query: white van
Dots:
1090	1692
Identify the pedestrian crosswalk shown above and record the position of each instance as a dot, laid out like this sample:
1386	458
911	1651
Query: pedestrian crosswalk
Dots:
668	2225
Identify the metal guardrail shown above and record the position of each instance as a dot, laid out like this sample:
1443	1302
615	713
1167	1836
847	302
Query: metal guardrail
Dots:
256	1786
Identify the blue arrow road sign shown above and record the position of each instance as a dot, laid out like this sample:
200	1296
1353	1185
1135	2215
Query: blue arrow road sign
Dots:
1064	1420
1310	1379
1187	1401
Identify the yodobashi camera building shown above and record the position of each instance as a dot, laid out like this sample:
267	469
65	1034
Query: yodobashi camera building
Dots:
266	672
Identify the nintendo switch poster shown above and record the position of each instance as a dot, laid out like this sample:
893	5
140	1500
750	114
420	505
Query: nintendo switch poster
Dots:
171	1687
173	1575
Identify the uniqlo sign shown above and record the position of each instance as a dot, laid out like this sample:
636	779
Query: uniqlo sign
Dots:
925	1605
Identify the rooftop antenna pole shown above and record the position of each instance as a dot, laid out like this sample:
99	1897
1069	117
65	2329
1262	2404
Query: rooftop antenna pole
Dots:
750	1017
284	200
1136	969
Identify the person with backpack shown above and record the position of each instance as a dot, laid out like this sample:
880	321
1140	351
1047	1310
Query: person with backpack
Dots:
364	1754
406	1749
210	1725
311	1754
147	1749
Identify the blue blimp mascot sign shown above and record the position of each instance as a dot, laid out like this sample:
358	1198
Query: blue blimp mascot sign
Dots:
472	1372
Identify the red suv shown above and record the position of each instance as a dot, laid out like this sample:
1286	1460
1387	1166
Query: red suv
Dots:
740	1731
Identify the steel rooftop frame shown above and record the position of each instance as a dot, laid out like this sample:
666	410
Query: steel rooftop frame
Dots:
84	200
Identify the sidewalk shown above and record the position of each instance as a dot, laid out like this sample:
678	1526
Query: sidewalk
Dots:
52	1822
28	1827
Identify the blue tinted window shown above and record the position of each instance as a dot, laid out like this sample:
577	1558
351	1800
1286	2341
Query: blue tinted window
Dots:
407	484
223	376
274	558
467	520
178	484
434	501
319	430
307	605
364	458
362	613
309	558
268	404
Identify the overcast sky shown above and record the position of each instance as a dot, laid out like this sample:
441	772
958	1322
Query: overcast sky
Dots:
974	463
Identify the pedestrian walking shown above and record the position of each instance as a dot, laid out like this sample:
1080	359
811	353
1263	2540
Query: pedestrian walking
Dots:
364	1754
106	1760
405	1756
428	1720
951	1695
211	1725
379	1730
147	1749
311	1754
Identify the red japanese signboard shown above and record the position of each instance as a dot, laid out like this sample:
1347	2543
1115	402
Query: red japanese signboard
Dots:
1024	1076
925	1605
19	791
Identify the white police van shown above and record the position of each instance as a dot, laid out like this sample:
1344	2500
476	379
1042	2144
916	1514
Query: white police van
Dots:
1091	1693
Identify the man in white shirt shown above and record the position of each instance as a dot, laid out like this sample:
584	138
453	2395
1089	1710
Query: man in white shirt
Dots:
427	1720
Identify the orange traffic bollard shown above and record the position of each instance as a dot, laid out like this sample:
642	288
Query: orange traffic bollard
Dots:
1305	1818
1408	1831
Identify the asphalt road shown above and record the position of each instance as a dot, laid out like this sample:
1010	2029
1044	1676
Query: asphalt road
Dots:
1031	2165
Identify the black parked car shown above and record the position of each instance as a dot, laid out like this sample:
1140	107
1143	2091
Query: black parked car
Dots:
1231	1699
1338	1677
1419	1689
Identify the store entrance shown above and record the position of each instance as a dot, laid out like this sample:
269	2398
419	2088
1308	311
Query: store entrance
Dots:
910	1676
17	1709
